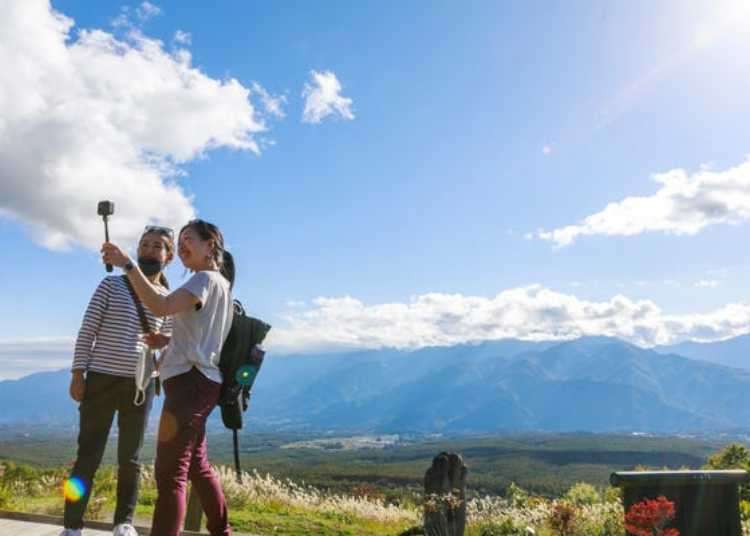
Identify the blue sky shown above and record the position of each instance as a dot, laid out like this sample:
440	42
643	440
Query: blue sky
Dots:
415	213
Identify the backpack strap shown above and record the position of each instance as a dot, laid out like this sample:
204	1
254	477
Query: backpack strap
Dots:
235	440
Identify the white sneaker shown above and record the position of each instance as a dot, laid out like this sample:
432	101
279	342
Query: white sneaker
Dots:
124	529
71	532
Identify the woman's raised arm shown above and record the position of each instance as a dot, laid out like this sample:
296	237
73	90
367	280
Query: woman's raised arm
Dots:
175	302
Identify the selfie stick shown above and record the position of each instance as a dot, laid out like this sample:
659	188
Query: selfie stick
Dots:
106	209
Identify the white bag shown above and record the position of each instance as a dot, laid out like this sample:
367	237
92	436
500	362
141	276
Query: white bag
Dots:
145	369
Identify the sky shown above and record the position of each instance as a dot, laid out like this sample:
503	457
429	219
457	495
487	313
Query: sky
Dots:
387	174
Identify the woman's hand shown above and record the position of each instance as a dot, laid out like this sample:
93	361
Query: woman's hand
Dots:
156	340
112	254
77	386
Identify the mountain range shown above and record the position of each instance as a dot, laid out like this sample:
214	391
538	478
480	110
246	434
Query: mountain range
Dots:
734	352
595	384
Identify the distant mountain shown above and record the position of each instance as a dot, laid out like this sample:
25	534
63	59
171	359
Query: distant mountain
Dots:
734	352
38	398
593	384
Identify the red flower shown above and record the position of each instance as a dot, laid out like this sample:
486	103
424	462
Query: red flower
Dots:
649	518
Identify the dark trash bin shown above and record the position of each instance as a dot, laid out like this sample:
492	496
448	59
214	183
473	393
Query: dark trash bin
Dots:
707	503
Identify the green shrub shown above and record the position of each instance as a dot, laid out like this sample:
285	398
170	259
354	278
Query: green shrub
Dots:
582	493
613	524
506	528
6	498
95	507
147	497
516	494
733	456
564	519
612	494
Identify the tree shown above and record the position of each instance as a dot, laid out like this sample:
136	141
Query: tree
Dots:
582	493
733	456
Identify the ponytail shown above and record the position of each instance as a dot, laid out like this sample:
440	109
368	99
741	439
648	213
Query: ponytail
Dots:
227	267
163	280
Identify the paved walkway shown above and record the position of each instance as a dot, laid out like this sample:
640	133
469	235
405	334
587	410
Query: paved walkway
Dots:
12	527
49	526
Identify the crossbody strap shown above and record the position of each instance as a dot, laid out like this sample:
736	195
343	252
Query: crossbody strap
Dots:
145	326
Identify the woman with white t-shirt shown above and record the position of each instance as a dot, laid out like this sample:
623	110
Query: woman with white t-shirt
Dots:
201	311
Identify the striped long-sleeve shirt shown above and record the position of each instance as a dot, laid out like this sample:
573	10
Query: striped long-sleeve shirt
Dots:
109	338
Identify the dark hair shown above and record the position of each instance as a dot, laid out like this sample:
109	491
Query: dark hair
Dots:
222	258
227	267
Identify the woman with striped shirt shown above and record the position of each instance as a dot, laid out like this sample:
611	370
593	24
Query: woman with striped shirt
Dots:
107	350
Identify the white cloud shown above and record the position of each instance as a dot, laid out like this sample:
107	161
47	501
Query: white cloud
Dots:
134	19
147	10
323	98
272	104
531	313
707	283
95	117
21	357
547	149
182	38
123	19
684	205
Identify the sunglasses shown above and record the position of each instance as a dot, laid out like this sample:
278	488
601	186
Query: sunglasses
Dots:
159	229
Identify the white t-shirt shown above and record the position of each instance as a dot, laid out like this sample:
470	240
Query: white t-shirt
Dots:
198	334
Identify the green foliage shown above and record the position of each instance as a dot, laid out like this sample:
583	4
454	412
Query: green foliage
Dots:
612	494
564	519
13	472
733	456
147	496
582	493
613	524
545	465
95	509
504	528
527	471
745	510
416	530
6	498
516	494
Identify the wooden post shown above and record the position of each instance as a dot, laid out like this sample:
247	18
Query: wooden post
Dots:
445	496
194	511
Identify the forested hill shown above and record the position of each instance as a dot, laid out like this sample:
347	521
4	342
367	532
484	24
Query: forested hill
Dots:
593	384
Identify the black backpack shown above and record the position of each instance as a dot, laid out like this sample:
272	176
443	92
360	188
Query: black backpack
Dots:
240	360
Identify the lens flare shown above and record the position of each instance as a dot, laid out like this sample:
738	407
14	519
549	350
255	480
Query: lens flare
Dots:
245	375
167	426
74	489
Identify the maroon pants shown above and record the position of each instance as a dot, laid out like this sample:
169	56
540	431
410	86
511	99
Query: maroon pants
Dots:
181	454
